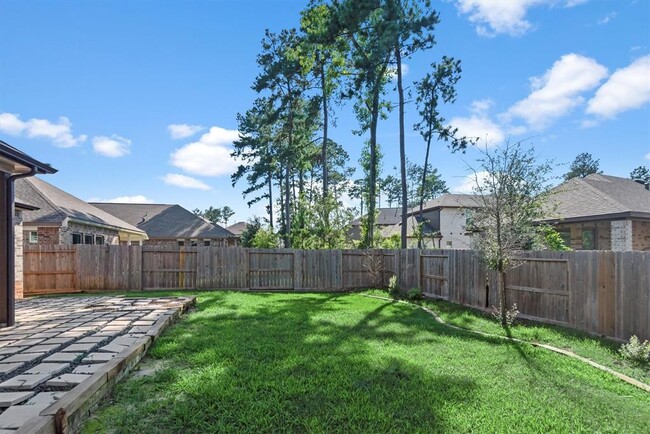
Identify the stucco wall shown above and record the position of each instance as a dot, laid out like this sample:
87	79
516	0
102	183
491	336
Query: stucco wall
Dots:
452	228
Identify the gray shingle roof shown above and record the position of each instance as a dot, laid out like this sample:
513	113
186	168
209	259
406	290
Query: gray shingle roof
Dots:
600	195
55	206
237	228
386	217
452	200
164	221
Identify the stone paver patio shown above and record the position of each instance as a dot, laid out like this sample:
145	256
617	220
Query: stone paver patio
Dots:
58	343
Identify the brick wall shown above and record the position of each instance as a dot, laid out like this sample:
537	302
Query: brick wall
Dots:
603	233
641	235
18	252
621	235
110	236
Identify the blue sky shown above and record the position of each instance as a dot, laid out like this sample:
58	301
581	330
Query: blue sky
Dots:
93	87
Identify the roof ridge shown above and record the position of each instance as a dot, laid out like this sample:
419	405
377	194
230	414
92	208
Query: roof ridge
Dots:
44	197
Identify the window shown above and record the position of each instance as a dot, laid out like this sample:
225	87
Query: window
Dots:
32	237
76	238
448	244
99	239
206	243
181	243
589	240
194	243
89	239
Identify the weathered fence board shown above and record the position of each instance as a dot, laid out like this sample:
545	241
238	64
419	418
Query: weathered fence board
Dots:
602	292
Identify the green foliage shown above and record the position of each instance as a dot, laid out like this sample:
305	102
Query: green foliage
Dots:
641	173
248	234
552	240
635	351
321	224
414	294
391	242
265	239
583	165
216	215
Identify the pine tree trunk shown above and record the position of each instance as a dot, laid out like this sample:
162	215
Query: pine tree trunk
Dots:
402	145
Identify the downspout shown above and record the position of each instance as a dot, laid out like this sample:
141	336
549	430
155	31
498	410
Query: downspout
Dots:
11	240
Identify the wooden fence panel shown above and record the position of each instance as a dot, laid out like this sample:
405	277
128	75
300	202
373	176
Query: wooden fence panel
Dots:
600	292
49	270
271	269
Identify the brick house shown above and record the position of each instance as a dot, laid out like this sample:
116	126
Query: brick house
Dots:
61	218
14	166
170	225
601	212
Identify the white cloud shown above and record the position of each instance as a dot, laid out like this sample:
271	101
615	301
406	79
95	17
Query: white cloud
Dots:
185	181
209	156
479	125
59	132
183	131
392	71
138	198
588	123
113	147
492	17
558	90
647	156
469	183
607	18
628	88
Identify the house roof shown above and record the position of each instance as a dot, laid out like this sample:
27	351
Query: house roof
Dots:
55	206
13	160
599	196
386	217
165	221
451	200
237	228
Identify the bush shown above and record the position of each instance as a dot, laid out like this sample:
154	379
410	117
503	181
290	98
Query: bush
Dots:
414	294
393	286
511	314
635	351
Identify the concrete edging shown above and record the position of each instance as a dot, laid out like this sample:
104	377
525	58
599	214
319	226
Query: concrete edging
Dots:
439	320
68	413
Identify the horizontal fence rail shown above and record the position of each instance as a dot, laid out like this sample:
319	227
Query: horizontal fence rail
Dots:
601	292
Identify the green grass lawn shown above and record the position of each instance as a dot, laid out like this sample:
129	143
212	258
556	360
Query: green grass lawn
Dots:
261	362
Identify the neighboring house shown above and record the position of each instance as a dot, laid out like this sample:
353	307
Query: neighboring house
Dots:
237	228
14	166
601	212
170	224
386	217
444	222
62	218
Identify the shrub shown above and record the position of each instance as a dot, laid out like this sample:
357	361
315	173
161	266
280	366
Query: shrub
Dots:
635	351
511	314
393	286
414	294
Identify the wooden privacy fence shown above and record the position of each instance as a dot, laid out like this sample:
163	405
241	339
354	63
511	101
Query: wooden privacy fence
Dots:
601	292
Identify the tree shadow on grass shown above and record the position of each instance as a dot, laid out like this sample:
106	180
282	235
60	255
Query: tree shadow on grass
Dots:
314	363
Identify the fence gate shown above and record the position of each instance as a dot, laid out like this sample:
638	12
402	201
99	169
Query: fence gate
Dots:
271	269
434	272
169	268
49	270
